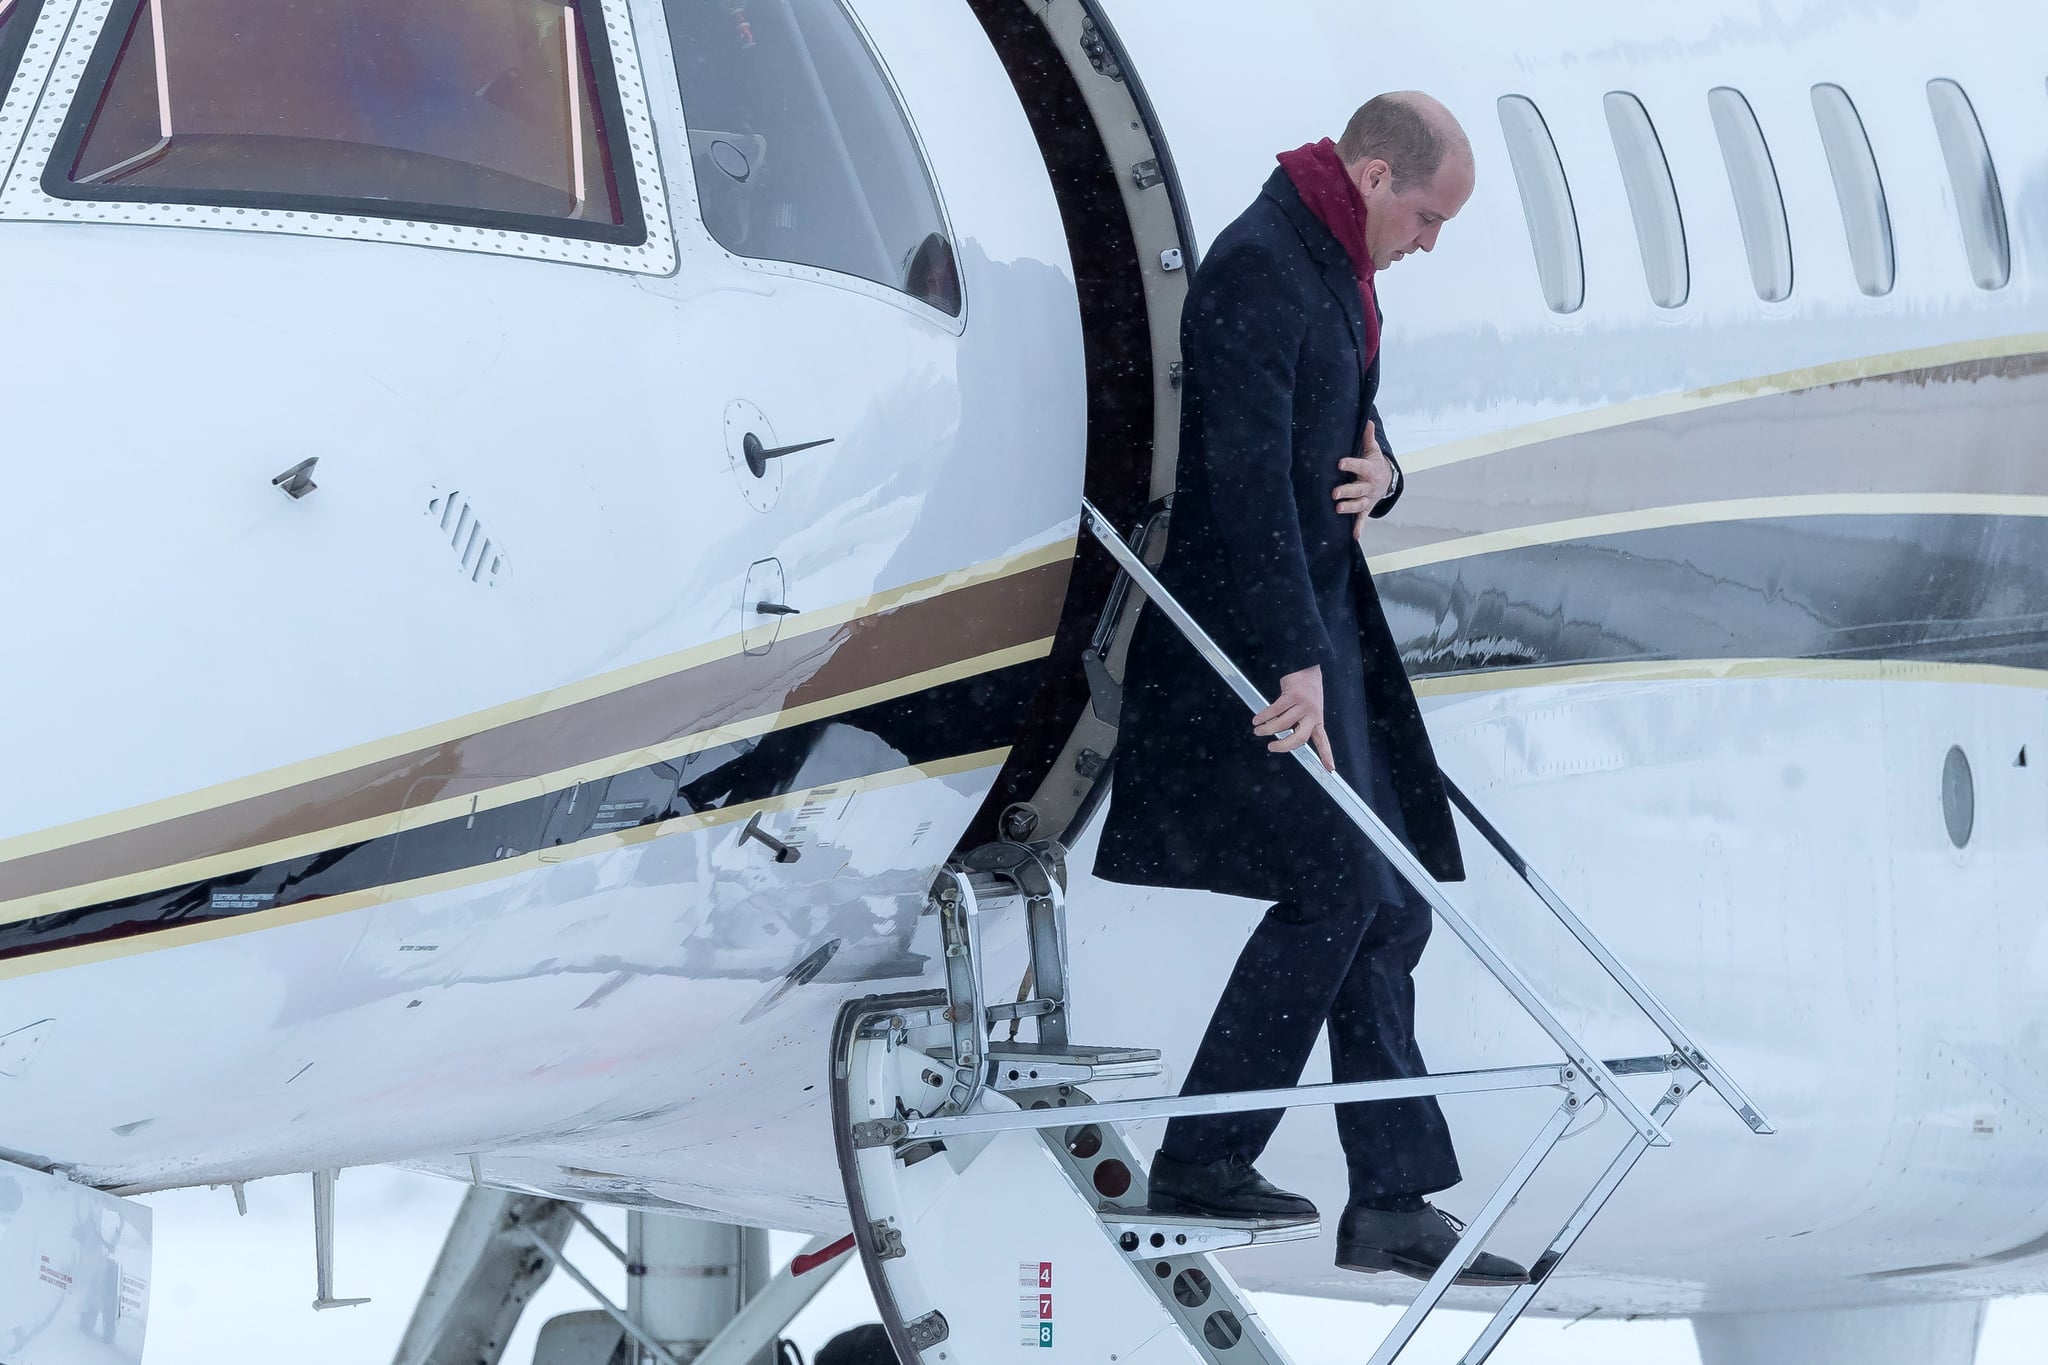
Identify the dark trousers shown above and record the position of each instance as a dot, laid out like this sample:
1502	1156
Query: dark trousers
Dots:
1348	966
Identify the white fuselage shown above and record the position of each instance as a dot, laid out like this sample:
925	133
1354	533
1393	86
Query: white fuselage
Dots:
640	1015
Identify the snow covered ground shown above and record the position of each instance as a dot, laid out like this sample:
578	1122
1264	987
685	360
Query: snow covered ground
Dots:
240	1289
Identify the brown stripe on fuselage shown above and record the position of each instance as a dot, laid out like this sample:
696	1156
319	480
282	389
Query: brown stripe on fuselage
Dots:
1965	427
810	668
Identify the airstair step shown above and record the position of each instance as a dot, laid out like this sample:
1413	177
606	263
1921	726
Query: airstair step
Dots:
1025	1066
1144	1234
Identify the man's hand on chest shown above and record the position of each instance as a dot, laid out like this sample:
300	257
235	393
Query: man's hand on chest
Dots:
1372	477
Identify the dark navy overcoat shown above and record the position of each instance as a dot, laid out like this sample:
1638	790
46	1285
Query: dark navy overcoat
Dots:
1274	397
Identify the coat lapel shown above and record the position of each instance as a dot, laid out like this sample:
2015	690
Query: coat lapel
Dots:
1327	252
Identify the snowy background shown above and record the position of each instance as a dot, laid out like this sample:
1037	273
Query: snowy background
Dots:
240	1289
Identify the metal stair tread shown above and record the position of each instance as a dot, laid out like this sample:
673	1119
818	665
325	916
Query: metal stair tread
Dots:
1119	1216
1076	1054
1144	1235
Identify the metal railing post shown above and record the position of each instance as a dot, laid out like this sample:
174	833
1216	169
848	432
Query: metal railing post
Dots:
1581	1218
1645	1000
1476	1233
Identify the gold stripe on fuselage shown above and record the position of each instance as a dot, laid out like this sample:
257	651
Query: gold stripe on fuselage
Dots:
452	731
1703	513
321	907
1786	381
46	878
413	817
1725	670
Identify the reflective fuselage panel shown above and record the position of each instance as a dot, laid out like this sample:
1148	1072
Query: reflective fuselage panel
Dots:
405	817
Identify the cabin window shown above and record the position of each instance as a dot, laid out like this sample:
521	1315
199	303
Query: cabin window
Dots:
800	149
1759	204
17	18
483	112
1546	204
1980	208
1858	189
1652	199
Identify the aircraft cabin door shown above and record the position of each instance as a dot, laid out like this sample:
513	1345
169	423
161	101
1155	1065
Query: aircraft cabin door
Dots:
823	312
816	399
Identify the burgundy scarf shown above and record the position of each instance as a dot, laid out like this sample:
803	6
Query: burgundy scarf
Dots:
1326	187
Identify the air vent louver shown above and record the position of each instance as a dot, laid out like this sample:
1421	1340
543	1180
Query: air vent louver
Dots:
481	559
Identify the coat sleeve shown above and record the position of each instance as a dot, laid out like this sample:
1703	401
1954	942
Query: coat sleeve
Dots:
1242	342
1386	504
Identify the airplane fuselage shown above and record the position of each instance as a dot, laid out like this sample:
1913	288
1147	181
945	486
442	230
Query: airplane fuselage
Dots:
412	819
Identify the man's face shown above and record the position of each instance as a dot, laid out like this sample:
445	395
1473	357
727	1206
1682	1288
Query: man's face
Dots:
1403	221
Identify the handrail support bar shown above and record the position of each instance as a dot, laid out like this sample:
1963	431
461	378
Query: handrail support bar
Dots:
1360	814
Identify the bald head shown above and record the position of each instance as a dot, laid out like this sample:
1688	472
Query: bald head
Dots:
1412	163
1410	131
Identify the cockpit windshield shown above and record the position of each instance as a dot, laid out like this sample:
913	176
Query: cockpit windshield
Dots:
459	110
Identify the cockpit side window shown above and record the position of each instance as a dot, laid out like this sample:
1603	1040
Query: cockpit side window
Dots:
491	113
800	149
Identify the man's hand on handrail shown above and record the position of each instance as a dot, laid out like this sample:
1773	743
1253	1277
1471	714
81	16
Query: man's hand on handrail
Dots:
1296	716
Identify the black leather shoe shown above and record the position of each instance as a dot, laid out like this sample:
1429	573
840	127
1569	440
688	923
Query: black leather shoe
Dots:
1219	1189
1414	1244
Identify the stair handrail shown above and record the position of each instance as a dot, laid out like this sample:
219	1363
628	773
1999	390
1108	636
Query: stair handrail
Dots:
1354	808
1696	1056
